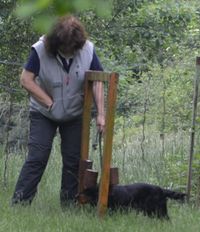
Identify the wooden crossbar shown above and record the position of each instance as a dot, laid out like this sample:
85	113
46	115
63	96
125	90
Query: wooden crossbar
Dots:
112	79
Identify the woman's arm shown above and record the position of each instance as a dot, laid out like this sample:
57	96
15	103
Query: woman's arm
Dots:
98	92
27	80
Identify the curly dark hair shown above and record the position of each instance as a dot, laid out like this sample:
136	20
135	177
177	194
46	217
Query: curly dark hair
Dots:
67	35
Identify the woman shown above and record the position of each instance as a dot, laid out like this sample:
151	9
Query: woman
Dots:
54	77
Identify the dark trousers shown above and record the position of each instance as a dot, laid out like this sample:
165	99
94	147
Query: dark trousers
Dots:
42	132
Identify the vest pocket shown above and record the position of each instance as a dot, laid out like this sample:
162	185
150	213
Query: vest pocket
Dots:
56	89
73	105
67	108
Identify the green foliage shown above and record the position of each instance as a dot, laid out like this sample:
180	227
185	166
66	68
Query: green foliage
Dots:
5	6
16	37
159	41
143	31
46	11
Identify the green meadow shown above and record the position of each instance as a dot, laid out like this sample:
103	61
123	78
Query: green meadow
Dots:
45	213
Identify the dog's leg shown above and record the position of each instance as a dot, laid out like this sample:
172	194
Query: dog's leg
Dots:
162	211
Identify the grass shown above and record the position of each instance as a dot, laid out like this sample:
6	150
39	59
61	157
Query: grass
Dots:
45	213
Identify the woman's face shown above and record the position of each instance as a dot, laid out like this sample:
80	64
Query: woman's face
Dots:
69	51
65	50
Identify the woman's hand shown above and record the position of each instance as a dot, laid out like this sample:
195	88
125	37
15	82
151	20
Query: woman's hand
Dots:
27	80
100	122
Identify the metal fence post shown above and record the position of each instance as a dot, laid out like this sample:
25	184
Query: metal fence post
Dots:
192	135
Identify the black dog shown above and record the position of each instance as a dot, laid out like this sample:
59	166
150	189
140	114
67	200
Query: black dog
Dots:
149	199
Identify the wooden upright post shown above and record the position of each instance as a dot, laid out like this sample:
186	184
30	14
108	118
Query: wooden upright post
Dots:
83	164
86	119
108	141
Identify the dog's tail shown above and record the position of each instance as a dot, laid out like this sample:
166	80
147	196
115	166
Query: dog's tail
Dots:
174	195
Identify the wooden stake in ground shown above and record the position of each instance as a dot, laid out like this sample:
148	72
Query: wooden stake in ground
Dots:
192	135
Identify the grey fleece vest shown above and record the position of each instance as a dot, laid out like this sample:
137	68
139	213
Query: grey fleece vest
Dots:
66	89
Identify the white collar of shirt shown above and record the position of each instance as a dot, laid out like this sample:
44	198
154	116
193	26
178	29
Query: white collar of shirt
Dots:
67	58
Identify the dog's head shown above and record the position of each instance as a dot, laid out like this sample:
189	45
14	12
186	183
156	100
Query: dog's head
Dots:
91	195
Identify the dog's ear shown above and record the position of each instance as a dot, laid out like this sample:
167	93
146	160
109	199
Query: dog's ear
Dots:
91	195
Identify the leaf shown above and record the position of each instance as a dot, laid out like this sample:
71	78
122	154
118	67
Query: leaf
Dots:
43	23
26	10
103	8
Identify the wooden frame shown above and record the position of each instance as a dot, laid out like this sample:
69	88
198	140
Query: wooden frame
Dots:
112	79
